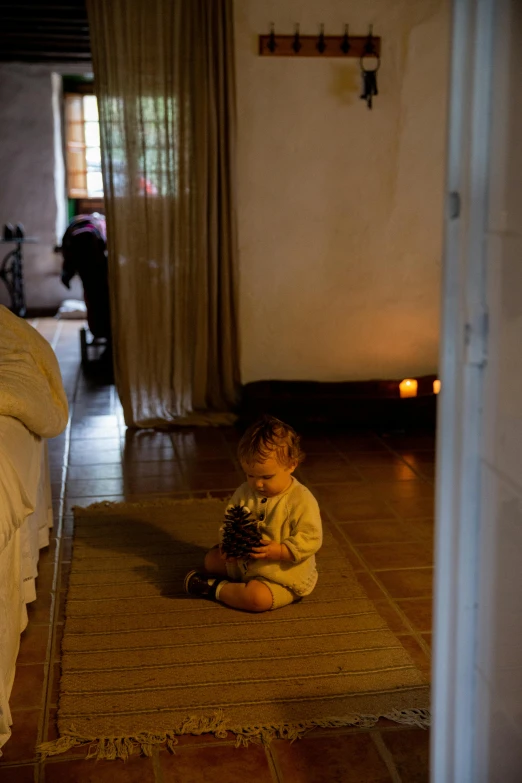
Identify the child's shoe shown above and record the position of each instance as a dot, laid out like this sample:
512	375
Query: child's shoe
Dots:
201	585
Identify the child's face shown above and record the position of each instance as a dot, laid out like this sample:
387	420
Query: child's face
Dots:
270	477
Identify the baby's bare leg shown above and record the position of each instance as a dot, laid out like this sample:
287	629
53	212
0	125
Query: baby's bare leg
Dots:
253	596
214	563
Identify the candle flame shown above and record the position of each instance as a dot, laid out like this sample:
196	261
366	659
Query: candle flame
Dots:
408	387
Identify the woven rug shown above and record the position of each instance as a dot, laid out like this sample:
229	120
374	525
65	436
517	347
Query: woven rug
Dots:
143	663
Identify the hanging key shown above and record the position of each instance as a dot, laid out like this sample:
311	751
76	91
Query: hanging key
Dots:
370	63
369	86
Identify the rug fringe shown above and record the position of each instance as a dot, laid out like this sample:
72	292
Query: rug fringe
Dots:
108	506
414	717
144	742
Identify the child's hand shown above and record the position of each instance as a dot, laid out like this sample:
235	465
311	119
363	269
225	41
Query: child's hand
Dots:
268	550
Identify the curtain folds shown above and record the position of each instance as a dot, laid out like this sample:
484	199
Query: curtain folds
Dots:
164	78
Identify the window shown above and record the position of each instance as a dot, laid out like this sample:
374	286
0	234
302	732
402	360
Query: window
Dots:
155	165
82	142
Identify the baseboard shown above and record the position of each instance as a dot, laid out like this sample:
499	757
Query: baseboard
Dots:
363	405
41	312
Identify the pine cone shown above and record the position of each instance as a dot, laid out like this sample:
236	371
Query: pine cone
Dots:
240	532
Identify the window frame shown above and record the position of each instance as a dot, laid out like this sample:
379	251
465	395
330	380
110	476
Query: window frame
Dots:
76	146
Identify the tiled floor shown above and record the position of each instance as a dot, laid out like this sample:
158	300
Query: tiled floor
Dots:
377	491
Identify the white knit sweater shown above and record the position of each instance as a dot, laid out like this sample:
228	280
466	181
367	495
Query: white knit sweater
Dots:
290	518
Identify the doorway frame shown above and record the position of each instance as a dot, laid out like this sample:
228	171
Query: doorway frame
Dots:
463	355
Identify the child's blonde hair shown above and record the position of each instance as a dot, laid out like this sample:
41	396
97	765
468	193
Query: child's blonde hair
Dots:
269	435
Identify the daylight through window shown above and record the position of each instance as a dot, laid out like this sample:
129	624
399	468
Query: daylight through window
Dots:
83	155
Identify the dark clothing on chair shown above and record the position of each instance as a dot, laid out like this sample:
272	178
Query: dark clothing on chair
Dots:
84	250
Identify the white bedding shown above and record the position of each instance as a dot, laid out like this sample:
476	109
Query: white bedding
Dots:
31	388
25	519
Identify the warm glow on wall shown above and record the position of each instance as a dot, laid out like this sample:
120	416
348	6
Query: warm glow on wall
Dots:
436	387
408	387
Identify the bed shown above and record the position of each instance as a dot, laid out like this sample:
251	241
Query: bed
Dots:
25	519
33	407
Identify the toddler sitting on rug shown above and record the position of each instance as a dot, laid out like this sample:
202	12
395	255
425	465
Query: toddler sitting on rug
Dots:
281	569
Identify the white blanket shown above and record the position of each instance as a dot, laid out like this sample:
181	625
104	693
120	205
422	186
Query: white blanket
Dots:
33	406
31	388
25	518
20	458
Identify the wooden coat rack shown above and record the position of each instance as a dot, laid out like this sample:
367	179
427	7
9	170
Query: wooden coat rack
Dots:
320	45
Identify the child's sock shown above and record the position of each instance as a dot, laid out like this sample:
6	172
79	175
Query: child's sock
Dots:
219	586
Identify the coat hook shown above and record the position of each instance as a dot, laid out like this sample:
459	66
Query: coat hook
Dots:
369	48
321	45
271	45
296	45
345	44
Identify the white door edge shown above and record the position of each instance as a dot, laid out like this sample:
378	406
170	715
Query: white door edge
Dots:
462	356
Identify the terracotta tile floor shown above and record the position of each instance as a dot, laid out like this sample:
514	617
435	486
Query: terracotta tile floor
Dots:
378	492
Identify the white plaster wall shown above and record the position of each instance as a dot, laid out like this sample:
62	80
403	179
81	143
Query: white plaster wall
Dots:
340	208
30	193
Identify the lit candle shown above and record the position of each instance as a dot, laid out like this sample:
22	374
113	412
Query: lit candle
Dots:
408	387
436	387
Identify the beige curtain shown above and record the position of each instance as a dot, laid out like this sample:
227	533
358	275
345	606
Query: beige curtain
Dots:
164	77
